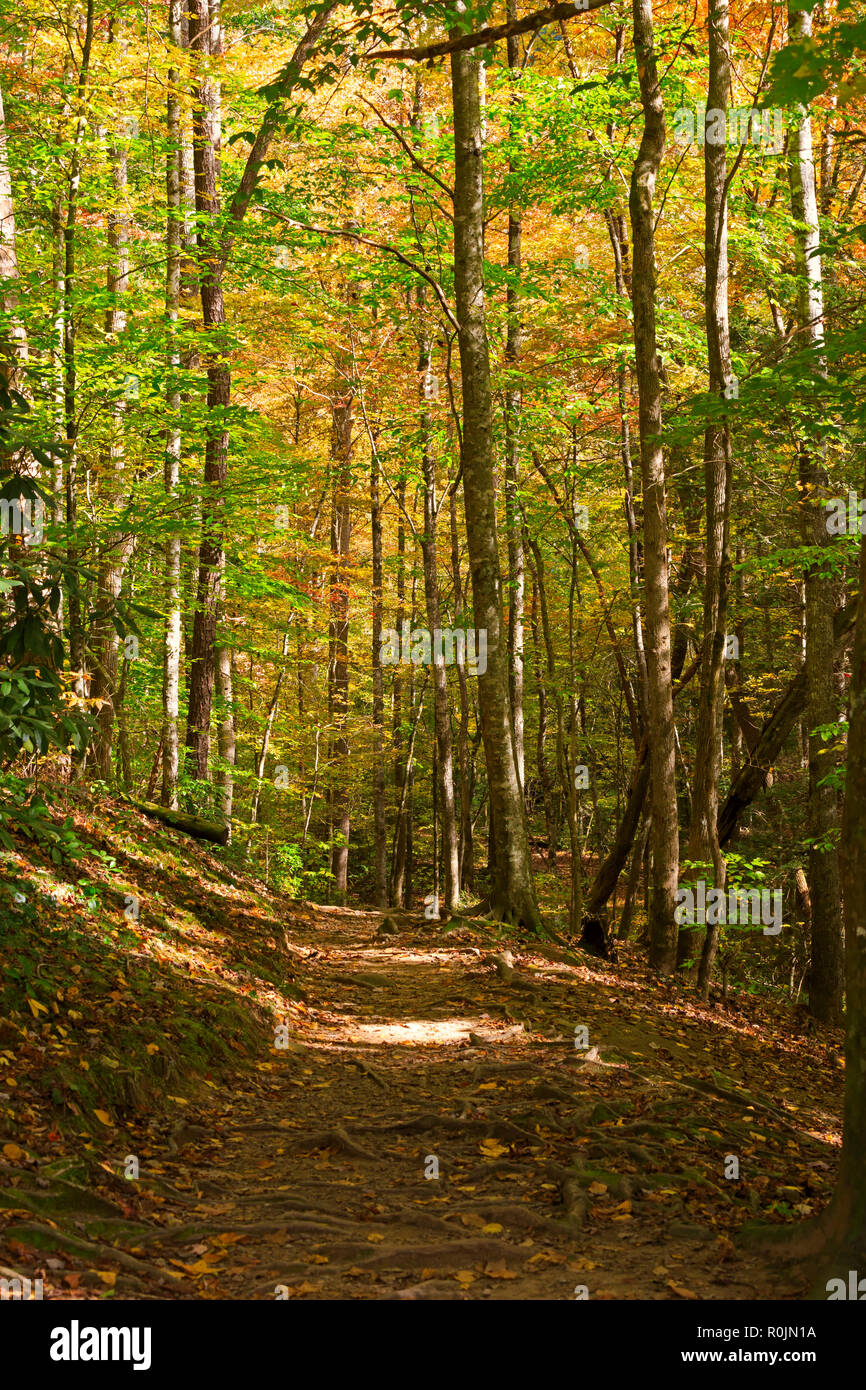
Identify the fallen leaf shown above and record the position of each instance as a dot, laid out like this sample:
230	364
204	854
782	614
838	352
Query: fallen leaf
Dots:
103	1117
491	1148
680	1290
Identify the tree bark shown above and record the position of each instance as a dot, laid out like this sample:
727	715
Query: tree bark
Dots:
118	546
205	41
826	973
703	837
665	831
512	889
513	413
380	827
441	712
171	463
338	632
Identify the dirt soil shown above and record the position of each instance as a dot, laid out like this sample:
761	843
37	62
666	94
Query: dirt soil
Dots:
424	1110
439	1127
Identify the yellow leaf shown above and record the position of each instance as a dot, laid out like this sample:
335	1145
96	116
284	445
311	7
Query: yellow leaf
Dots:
465	1277
152	1047
103	1117
36	1008
681	1290
108	1276
492	1228
499	1270
597	1188
13	1151
375	1235
491	1148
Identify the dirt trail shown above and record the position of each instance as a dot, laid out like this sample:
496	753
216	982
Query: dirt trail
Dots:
433	1131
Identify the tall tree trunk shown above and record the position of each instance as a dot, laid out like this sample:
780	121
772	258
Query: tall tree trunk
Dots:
665	834
70	381
441	711
703	833
513	412
338	633
380	827
846	1218
467	855
512	889
174	226
205	41
118	546
822	706
397	886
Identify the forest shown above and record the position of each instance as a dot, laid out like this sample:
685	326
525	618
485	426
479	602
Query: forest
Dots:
433	650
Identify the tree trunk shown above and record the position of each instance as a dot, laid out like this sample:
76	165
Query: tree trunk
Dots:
467	854
846	1218
380	827
205	41
822	706
513	412
70	383
665	833
703	834
171	465
118	546
441	711
338	634
512	889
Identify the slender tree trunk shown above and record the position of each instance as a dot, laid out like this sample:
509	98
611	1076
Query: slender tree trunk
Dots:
397	887
846	1218
566	777
665	834
380	827
703	833
70	382
513	889
822	705
338	668
118	547
171	464
513	412
467	855
205	41
441	711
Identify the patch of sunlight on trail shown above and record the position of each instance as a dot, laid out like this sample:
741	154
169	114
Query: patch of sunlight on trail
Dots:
419	1032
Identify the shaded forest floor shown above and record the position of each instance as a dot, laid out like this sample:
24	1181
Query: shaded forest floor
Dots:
565	1158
